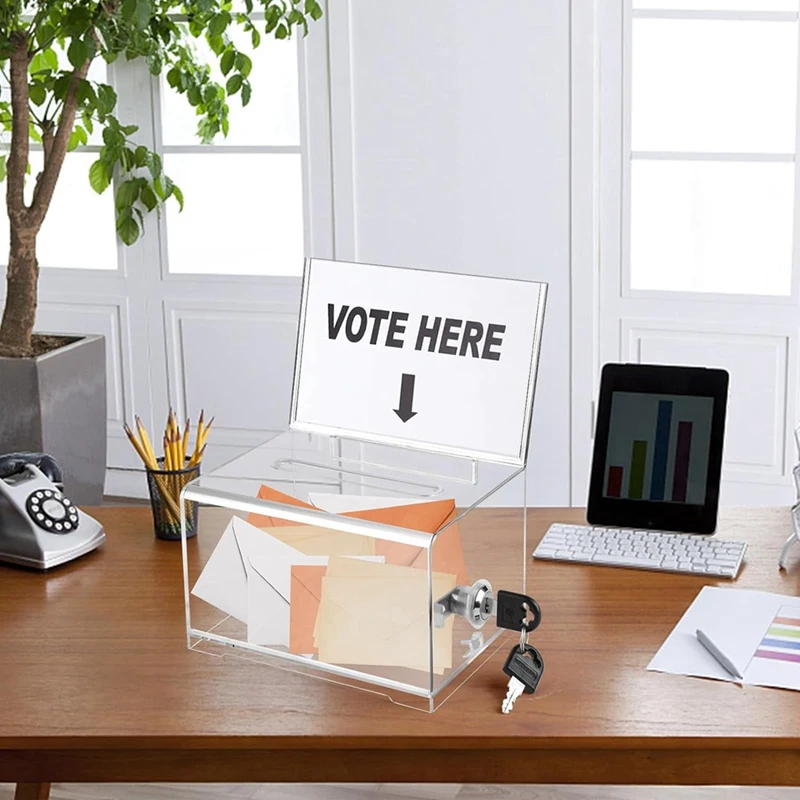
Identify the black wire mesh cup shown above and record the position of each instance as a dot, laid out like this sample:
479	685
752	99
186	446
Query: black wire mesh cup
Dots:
165	488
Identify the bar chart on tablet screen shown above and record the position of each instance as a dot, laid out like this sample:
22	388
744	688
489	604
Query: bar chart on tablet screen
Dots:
658	447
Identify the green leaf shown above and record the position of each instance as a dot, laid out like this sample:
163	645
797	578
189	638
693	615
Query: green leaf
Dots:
154	165
2	168
87	123
226	62
141	156
50	58
218	23
77	137
78	53
255	37
178	195
246	92
234	84
44	34
142	15
316	10
127	193
38	64
106	99
174	77
99	177
281	32
244	64
128	130
148	197
37	94
127	227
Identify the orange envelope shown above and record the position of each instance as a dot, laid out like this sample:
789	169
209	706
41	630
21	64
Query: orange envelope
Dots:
274	496
306	593
448	554
429	517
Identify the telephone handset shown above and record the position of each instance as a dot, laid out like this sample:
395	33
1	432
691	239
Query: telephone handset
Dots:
39	526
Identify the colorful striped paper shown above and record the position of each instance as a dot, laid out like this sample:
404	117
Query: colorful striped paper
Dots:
781	642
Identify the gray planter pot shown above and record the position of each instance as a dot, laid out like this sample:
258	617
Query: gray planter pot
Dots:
56	404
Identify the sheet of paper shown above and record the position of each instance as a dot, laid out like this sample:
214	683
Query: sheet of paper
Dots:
758	631
352	629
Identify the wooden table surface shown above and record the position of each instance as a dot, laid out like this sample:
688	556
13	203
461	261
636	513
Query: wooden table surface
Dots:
96	684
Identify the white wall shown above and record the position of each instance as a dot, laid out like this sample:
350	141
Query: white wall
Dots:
450	128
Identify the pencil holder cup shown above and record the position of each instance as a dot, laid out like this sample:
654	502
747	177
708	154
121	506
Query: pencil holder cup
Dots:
165	488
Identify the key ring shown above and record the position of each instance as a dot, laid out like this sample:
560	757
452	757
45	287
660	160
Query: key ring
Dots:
523	632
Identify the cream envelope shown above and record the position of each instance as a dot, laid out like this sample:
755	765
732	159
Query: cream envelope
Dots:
378	615
249	577
315	541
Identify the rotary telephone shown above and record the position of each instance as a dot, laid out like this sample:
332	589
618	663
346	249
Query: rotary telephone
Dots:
39	526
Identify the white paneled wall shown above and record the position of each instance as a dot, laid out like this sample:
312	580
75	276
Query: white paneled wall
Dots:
451	142
435	135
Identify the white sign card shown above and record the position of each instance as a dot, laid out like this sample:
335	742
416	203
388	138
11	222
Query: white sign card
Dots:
431	360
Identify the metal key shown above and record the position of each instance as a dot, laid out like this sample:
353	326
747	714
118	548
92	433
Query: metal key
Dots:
525	666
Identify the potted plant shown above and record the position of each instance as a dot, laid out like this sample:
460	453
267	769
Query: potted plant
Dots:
52	388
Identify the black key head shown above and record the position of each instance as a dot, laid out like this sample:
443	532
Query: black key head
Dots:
512	611
526	666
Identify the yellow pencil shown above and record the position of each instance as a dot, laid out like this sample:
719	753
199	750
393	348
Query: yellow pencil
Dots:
205	433
146	440
136	446
196	459
185	442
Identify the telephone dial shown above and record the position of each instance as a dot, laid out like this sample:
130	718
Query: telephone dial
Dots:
39	526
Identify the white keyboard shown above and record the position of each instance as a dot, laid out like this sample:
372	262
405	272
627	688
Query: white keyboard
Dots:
621	547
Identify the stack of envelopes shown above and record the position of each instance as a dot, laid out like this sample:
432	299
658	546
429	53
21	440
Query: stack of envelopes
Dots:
341	597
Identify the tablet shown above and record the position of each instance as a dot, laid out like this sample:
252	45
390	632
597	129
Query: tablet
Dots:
658	448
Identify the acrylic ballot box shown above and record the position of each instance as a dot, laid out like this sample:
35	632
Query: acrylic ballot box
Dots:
365	545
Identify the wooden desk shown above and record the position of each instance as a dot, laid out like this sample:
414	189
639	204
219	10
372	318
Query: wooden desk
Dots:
96	684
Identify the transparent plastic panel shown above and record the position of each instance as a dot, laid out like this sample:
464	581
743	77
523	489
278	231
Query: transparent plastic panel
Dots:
249	208
327	565
272	116
79	230
491	541
713	85
717	5
712	226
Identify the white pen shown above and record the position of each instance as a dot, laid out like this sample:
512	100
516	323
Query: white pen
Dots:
719	656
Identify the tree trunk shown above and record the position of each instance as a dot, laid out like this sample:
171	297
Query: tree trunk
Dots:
20	307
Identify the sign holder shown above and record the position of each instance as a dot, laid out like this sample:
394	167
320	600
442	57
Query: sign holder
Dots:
373	341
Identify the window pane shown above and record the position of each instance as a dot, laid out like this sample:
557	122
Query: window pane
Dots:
718	5
272	116
714	85
243	214
712	226
78	230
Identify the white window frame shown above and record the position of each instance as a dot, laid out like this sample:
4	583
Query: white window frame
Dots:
622	108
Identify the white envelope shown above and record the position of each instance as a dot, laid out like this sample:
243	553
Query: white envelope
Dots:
268	564
249	577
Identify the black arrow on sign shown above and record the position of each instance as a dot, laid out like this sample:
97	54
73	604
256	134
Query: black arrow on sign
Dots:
406	398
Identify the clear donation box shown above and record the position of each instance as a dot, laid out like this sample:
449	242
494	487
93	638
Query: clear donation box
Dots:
366	544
